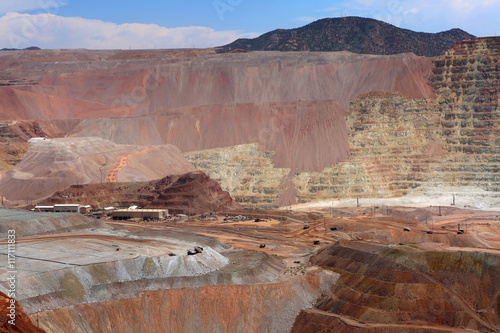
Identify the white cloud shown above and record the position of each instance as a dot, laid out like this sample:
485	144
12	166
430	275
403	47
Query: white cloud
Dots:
470	5
478	17
411	11
52	31
45	6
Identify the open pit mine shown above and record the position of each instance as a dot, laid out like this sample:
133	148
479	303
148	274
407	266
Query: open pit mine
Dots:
295	191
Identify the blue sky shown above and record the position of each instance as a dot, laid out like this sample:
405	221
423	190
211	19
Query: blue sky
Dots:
136	24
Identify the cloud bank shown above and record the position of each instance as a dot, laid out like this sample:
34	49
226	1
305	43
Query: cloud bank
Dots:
479	17
48	6
51	31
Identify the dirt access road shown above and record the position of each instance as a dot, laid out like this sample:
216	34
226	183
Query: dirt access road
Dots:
122	162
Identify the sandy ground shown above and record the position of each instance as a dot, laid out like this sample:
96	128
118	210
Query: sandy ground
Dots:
284	233
291	235
479	199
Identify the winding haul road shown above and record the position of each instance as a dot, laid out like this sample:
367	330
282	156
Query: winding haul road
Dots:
122	161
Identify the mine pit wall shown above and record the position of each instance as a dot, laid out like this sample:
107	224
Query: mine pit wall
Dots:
398	145
411	141
291	104
123	279
270	307
401	285
402	145
246	172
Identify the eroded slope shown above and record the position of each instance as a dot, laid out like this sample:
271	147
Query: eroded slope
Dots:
401	285
54	164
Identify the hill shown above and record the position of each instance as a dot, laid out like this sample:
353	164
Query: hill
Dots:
53	164
354	34
31	48
193	192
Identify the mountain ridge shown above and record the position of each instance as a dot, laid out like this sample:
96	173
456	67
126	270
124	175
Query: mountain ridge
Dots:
354	34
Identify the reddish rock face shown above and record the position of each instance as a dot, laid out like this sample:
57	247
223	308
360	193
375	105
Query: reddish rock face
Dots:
22	320
289	103
262	307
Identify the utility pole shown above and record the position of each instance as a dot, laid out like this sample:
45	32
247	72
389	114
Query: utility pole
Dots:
324	223
453	204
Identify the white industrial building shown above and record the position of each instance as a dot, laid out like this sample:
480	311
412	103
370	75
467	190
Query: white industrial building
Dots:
59	208
67	208
125	214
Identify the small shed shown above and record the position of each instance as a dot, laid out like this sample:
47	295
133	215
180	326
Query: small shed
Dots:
86	209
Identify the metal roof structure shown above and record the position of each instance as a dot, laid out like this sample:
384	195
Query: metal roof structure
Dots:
143	210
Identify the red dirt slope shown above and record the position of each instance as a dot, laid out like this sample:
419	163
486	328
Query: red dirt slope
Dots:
404	286
54	164
23	323
263	307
